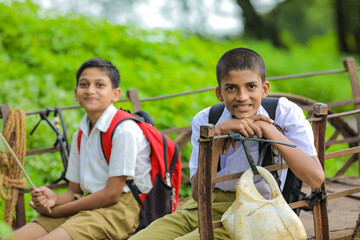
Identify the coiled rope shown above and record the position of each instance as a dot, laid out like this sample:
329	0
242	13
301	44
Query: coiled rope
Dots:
11	178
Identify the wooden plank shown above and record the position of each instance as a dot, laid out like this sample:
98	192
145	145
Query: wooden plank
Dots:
176	130
20	211
343	193
342	152
350	65
182	139
42	150
53	186
321	221
4	111
346	166
239	174
332	138
345	140
204	183
134	99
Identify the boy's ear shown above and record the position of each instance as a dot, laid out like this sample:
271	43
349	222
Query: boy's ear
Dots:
117	93
219	94
266	87
75	90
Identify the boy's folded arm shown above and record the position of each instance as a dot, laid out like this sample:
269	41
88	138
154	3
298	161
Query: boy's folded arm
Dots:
305	167
103	198
245	126
68	196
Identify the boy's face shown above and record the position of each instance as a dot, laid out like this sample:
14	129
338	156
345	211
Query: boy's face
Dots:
241	92
95	92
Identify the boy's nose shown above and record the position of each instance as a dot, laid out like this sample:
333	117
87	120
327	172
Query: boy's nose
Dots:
91	88
242	95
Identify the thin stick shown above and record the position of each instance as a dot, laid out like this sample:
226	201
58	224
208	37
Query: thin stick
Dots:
18	162
20	165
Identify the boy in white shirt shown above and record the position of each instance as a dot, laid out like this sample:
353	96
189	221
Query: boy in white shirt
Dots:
241	86
98	204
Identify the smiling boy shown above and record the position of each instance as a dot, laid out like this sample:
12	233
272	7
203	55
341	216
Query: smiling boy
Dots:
241	86
98	204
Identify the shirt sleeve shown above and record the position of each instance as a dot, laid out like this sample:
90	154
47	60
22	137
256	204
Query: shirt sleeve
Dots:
200	119
296	127
73	168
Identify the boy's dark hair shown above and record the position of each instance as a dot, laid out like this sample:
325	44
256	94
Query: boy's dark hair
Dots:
240	59
103	65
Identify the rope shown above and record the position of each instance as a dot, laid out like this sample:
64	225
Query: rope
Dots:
10	173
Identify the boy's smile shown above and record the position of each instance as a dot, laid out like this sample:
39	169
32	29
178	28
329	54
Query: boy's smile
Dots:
241	92
95	92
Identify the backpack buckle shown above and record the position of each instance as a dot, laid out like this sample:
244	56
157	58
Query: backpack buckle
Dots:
315	197
167	179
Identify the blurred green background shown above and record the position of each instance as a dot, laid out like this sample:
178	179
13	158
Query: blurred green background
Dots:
171	50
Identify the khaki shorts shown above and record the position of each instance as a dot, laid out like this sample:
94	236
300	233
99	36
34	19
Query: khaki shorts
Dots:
117	221
184	225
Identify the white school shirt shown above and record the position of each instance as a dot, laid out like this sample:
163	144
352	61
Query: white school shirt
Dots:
130	155
288	116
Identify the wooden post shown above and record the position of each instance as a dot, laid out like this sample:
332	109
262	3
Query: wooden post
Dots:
134	99
321	221
4	111
350	65
204	182
20	210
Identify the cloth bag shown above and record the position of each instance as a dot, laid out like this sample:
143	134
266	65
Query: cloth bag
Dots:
253	217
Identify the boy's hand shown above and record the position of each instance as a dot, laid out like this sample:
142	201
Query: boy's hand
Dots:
42	197
244	126
248	127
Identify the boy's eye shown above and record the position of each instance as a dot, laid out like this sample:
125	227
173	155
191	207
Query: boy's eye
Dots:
252	86
100	84
82	84
229	88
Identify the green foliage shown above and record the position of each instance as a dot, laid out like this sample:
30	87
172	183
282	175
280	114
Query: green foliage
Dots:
39	57
5	230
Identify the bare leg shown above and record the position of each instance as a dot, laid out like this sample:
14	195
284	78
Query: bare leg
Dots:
58	233
30	231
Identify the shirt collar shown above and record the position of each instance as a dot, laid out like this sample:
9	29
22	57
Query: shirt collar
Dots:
102	124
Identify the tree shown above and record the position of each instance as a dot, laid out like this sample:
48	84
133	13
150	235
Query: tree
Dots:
348	25
259	27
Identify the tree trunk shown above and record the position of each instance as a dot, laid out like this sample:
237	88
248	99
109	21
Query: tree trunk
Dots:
256	27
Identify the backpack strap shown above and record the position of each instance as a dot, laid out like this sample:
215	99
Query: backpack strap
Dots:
216	112
106	137
79	140
270	104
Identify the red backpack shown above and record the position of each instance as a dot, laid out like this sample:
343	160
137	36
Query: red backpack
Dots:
165	167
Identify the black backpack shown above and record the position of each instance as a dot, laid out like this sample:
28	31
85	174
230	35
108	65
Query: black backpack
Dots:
292	188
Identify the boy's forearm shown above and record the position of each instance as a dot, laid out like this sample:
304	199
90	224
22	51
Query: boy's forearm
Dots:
305	167
103	198
68	196
90	202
